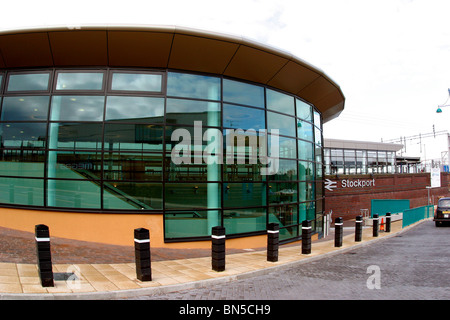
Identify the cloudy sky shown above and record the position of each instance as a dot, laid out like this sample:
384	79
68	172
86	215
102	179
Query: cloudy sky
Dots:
391	58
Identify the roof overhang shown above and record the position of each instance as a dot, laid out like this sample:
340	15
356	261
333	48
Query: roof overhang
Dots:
174	48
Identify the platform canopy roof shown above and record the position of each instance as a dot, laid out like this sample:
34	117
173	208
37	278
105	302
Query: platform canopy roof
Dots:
171	47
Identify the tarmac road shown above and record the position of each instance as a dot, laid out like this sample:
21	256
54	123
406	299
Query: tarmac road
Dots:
413	265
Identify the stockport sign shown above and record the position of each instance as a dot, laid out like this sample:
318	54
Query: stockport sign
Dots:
349	183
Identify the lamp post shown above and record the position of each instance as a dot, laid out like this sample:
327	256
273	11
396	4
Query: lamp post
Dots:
439	109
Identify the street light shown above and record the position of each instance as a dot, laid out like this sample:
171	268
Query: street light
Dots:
439	110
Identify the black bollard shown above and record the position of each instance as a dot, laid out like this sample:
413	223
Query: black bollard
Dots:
306	237
338	232
388	222
142	254
273	232
218	248
375	225
358	228
44	256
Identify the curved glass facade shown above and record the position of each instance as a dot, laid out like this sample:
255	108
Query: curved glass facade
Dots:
104	140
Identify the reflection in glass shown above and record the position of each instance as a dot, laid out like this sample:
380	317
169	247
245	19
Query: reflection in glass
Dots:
193	86
304	110
135	109
22	191
284	215
305	150
187	223
287	147
317	120
243	118
75	136
286	125
20	162
244	195
73	194
136	82
190	196
280	102
132	166
304	130
306	191
180	111
243	93
79	81
306	170
133	137
28	82
26	108
284	192
287	171
74	165
77	108
23	135
244	220
132	195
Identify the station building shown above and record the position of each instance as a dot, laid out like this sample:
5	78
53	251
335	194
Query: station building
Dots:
87	127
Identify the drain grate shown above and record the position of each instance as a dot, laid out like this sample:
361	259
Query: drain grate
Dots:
64	276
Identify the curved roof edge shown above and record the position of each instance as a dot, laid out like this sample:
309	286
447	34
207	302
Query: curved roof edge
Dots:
173	47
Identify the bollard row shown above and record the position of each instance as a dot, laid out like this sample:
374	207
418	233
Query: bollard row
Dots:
358	228
218	248
306	237
273	238
375	225
338	232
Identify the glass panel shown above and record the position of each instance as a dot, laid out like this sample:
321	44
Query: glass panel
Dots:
180	111
77	108
244	195
317	120
243	118
305	170
193	86
136	82
280	102
132	195
190	223
133	137
286	125
75	136
244	220
306	191
285	192
135	109
196	170
287	147
287	171
304	110
79	81
242	172
284	215
305	130
318	136
26	108
305	150
132	166
23	135
28	82
243	93
22	191
192	195
74	165
73	194
19	162
1	79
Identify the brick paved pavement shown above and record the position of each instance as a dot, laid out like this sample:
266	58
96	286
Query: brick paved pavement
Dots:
413	265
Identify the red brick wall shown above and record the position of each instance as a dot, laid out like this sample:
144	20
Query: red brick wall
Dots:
347	202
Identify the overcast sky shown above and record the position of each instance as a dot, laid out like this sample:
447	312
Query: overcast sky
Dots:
391	58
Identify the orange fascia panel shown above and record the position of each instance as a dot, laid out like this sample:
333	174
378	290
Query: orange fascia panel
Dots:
79	48
139	48
26	50
201	54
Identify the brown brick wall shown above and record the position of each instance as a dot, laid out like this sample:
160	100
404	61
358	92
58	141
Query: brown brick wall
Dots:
347	202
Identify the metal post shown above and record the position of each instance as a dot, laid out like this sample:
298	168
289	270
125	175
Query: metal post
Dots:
388	222
142	254
44	256
375	225
273	232
338	232
358	228
218	248
306	237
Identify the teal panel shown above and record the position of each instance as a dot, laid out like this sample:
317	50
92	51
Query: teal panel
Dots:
381	206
